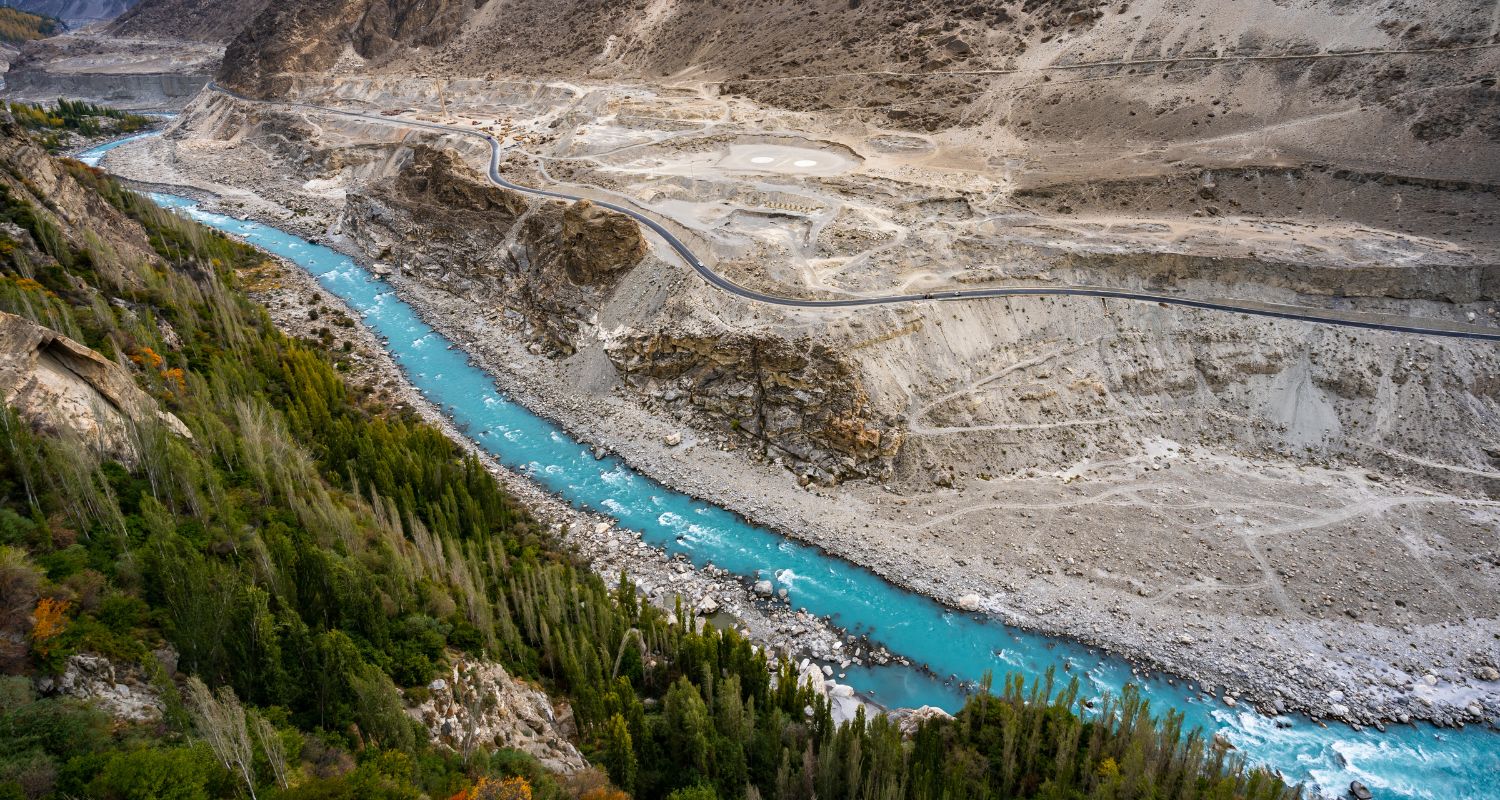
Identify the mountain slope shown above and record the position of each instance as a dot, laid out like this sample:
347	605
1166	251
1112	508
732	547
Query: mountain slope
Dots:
1166	69
75	12
21	26
193	20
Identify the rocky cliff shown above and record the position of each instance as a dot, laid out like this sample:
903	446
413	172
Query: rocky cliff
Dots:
295	38
548	263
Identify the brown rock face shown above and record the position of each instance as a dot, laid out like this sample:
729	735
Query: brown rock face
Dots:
288	38
439	179
598	243
797	401
60	386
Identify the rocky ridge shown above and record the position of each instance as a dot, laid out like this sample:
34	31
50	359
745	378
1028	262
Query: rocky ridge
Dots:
191	20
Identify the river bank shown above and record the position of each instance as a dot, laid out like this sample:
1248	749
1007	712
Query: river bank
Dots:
302	307
1276	664
1327	757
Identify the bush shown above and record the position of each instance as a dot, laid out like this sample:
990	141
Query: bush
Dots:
30	775
699	792
179	773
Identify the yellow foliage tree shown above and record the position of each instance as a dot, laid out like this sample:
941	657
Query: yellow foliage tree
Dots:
508	789
49	620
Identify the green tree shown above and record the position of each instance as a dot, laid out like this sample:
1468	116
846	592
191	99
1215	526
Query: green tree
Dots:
689	732
696	792
619	752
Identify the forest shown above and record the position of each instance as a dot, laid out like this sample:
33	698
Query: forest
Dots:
18	26
52	126
314	558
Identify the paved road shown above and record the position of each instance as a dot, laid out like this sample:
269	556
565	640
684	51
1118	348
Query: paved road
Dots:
1299	314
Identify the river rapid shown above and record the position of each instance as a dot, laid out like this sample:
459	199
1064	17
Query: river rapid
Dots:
1408	762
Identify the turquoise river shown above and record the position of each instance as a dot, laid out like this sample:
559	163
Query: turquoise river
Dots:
1405	763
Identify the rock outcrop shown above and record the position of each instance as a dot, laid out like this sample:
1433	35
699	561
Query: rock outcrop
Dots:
479	704
797	401
60	386
122	691
447	225
910	720
597	243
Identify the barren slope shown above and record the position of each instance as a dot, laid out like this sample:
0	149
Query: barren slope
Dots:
193	20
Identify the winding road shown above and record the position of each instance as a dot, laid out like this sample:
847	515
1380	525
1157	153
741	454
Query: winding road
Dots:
1298	314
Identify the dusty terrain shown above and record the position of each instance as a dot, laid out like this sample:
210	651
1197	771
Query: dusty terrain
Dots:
127	72
77	13
1307	515
153	54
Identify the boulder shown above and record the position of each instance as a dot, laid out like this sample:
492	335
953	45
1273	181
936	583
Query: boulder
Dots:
908	720
118	689
970	602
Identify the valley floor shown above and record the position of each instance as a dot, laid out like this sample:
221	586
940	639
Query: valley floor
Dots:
1294	583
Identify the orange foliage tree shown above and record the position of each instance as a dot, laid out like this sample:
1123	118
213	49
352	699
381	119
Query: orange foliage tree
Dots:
508	789
48	623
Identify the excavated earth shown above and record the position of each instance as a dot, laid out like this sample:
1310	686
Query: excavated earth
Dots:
1286	511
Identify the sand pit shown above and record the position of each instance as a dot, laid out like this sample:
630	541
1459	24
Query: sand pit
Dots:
784	159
